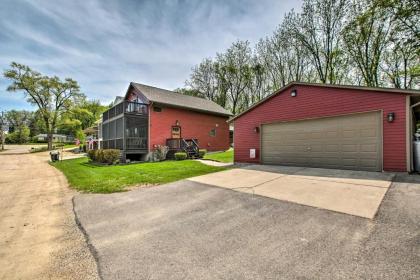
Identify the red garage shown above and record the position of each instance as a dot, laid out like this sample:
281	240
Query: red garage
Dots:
329	126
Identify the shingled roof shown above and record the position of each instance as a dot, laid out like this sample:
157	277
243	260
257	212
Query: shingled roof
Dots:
167	97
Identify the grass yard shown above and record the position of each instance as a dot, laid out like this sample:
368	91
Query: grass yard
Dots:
226	156
87	177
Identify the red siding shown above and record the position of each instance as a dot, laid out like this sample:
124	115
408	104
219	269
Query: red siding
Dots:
193	125
312	102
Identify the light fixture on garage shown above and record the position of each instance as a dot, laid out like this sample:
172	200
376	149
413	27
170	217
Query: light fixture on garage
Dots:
391	117
256	129
293	93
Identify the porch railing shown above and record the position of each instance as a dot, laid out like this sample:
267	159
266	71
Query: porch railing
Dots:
127	107
136	143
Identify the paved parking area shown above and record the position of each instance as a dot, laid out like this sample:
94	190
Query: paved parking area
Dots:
357	193
189	230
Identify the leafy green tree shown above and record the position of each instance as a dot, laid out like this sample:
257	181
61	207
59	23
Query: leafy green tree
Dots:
16	118
81	116
51	95
19	136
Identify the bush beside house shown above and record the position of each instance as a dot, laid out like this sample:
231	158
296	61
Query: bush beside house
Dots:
159	153
180	156
202	153
108	156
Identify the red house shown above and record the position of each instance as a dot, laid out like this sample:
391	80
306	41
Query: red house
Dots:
149	116
330	126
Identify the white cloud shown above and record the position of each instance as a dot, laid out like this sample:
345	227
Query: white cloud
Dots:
106	44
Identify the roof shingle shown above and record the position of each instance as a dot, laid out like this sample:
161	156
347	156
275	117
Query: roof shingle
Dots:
163	96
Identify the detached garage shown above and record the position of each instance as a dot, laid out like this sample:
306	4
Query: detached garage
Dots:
329	126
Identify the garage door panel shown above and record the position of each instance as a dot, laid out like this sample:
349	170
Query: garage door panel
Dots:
348	142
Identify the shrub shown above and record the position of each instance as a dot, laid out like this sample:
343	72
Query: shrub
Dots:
92	154
180	156
160	152
109	156
99	156
201	153
19	136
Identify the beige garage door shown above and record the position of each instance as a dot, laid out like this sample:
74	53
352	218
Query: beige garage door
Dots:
344	142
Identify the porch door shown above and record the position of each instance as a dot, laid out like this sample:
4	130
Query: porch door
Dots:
176	132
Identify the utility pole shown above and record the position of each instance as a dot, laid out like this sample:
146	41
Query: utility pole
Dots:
2	125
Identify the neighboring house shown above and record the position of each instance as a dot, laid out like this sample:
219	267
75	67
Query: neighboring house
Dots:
330	126
93	136
149	116
56	138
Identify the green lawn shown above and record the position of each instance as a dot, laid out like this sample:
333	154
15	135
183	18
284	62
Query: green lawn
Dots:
88	177
226	156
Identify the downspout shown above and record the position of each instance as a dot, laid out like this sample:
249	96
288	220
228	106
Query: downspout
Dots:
149	126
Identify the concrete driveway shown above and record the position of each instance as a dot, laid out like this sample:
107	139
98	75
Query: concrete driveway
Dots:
352	192
190	230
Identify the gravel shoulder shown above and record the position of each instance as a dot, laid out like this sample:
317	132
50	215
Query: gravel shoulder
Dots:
39	238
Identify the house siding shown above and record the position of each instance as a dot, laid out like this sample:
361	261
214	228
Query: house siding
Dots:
193	125
315	102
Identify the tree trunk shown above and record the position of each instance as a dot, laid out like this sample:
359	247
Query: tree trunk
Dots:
50	141
2	138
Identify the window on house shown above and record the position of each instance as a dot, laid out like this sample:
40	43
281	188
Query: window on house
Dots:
213	132
157	109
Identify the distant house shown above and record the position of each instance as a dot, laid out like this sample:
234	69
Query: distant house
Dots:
148	116
56	138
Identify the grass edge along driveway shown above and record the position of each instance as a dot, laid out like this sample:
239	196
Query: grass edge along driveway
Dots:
86	177
226	156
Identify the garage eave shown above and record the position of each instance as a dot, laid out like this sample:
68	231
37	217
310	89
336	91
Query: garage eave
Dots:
411	92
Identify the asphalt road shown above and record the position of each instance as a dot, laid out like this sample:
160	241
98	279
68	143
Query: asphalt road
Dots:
188	230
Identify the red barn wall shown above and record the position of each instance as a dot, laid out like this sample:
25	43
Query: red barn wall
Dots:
193	124
312	102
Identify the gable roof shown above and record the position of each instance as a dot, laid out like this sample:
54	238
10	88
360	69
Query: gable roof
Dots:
377	89
167	97
118	100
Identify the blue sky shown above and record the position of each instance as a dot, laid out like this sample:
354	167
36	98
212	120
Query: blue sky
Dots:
104	45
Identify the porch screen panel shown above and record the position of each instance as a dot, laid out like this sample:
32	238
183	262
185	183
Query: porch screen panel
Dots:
119	128
112	130
105	131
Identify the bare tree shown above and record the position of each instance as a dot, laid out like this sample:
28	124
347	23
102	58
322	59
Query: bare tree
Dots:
366	36
401	65
203	79
318	28
235	74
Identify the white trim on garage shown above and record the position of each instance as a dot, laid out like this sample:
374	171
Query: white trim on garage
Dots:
408	133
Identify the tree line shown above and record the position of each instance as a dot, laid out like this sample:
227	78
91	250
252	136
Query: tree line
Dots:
373	43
